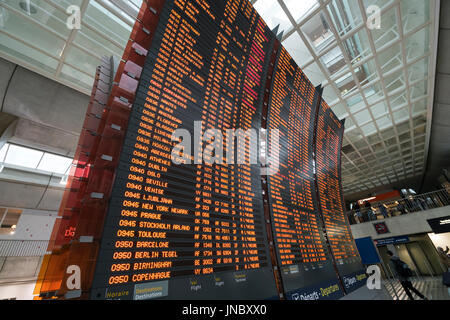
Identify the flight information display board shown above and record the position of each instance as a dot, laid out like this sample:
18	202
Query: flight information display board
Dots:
191	230
306	265
329	136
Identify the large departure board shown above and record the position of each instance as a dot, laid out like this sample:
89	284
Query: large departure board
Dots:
306	266
191	230
329	137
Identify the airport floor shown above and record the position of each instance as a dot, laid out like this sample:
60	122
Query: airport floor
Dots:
430	287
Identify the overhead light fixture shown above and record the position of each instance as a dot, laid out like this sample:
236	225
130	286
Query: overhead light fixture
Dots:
366	199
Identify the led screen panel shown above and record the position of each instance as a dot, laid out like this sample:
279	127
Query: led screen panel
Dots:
191	230
329	138
306	264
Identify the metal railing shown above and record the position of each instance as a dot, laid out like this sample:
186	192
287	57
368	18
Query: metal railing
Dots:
23	248
410	204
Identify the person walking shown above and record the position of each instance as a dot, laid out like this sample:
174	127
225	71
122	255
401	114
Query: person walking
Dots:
358	213
383	210
401	208
369	211
444	257
404	273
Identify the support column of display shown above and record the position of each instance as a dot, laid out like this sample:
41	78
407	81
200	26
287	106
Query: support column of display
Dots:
329	132
305	261
319	89
267	216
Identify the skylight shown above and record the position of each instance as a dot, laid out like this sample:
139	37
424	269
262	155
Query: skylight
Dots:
23	157
19	156
54	163
299	9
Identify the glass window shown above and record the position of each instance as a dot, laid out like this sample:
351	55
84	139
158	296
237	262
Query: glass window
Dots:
374	93
388	133
419	140
360	144
419	120
417	44
357	47
354	135
406	145
367	72
318	32
349	124
345	15
395	82
22	29
136	3
3	151
419	89
97	45
373	139
384	122
81	79
369	129
398	100
391	58
43	13
297	49
418	107
418	70
355	102
401	115
388	31
392	142
329	94
82	60
54	163
404	137
339	110
107	23
66	3
299	9
333	60
414	13
379	109
403	127
339	74
24	157
273	15
353	156
314	74
345	83
418	148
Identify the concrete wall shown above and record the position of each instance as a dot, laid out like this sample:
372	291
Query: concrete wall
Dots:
18	277
50	115
14	268
24	189
18	274
407	224
33	225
